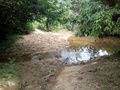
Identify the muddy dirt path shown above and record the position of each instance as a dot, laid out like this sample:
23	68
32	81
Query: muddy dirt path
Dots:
75	78
40	41
102	74
47	74
37	42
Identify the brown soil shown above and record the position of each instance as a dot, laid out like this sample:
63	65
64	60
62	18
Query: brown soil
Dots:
101	74
36	42
40	41
38	75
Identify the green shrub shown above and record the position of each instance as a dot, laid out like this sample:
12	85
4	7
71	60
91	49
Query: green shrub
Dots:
7	71
96	19
102	24
42	23
117	27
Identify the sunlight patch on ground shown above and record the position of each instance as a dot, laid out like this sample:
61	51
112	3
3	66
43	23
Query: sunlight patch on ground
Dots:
63	35
38	31
12	84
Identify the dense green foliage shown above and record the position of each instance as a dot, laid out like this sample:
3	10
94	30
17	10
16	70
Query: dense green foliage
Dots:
96	18
17	16
87	17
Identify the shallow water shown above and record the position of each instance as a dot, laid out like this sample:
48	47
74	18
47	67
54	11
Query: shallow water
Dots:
84	54
108	43
82	49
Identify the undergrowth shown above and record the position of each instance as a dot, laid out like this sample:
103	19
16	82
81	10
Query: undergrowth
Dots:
117	51
10	40
7	71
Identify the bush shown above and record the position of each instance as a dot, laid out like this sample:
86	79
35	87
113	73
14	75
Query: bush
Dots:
102	24
96	19
117	27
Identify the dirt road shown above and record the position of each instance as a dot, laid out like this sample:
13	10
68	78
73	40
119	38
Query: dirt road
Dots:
102	74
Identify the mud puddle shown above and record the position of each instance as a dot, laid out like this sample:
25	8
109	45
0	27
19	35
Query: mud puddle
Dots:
69	57
109	44
82	49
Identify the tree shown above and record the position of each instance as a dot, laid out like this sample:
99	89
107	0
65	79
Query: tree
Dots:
95	18
54	13
15	15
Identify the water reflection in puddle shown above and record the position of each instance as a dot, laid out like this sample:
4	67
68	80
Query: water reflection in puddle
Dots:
83	54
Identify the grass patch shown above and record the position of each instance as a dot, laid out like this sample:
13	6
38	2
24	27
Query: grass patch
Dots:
7	71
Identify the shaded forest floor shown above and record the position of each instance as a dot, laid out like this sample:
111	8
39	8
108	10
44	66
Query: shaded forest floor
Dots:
48	74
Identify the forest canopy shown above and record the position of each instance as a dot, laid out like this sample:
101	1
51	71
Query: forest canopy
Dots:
96	18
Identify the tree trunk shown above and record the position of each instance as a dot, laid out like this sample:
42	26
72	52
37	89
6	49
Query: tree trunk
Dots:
47	24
